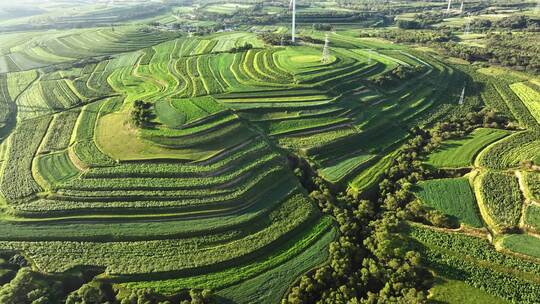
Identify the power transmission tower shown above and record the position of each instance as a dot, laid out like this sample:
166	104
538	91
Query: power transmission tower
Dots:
462	97
326	51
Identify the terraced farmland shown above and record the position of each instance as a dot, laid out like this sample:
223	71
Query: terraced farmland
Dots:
170	162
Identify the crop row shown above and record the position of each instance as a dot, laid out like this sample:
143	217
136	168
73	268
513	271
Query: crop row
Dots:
17	180
530	98
162	255
59	135
511	151
157	201
136	183
56	168
246	153
516	106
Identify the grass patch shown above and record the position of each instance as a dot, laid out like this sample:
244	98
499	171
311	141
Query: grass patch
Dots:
449	291
522	243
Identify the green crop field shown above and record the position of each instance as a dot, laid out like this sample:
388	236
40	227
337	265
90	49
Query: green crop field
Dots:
453	197
461	152
197	152
499	195
523	244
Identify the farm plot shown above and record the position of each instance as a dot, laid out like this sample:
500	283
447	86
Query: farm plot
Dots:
499	199
532	185
17	181
532	216
461	152
523	244
529	97
509	152
452	196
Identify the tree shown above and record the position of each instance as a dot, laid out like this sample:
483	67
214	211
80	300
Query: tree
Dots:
141	115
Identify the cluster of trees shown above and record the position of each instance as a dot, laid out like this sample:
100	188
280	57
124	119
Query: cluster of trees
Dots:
322	26
245	47
411	24
412	36
276	39
517	22
31	287
141	114
99	292
517	50
397	74
371	262
510	22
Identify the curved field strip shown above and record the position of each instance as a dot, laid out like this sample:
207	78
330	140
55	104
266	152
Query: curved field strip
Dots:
529	97
461	152
301	251
66	254
55	168
511	151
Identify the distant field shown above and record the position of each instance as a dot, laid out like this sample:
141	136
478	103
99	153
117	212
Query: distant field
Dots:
461	152
452	196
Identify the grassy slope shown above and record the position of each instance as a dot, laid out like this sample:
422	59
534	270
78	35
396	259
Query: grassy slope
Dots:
461	152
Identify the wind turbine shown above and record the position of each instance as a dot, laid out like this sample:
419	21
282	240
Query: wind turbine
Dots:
292	6
449	5
461	7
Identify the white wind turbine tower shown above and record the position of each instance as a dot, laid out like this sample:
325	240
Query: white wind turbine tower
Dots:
461	7
292	6
449	5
